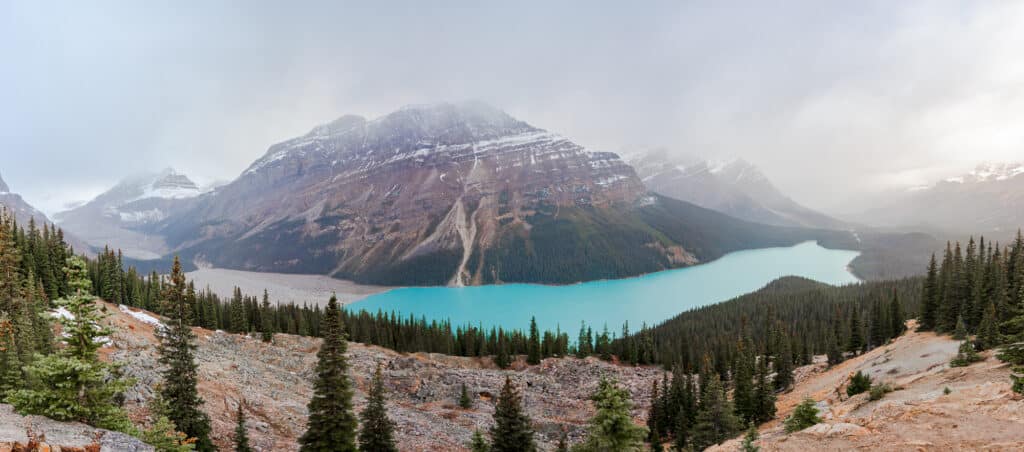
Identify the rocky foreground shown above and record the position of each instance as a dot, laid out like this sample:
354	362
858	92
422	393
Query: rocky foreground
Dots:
978	412
276	382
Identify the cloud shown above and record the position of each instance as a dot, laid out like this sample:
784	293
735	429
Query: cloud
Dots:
830	99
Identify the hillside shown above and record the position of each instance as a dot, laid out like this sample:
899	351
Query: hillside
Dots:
275	380
423	389
980	412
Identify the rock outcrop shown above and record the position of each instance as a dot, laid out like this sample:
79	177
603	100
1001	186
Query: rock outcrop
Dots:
36	433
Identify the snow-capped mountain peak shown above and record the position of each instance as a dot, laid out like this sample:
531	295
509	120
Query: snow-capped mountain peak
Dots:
170	184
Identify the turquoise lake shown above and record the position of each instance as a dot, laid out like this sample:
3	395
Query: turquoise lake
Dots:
650	298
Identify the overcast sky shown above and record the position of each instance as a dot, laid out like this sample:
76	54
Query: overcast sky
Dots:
829	98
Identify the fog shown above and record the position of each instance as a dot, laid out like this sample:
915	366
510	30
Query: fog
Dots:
830	100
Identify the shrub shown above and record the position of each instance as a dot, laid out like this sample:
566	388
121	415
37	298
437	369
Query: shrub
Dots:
805	415
878	391
858	384
966	355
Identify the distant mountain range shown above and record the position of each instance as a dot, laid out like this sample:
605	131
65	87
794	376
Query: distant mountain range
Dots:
989	200
734	187
432	194
23	212
121	217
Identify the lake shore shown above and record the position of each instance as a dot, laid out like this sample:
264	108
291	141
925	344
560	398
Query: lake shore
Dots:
282	287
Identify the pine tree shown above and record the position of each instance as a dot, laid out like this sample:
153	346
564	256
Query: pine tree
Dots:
241	437
375	434
859	382
784	366
266	319
479	443
11	377
511	431
966	355
655	417
743	397
855	341
896	316
988	330
749	438
238	322
465	402
804	415
764	394
960	332
715	419
533	347
331	425
612	427
176	348
74	385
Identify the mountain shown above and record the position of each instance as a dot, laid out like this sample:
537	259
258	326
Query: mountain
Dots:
121	217
449	194
21	209
989	199
734	187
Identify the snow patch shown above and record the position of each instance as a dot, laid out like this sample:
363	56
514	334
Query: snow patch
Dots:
62	313
140	316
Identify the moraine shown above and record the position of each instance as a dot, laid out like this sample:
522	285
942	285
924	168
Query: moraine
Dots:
648	299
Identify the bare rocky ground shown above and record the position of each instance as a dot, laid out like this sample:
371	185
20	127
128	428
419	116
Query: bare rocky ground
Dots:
37	433
979	413
276	382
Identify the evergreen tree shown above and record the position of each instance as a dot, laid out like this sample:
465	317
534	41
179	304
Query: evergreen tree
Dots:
479	443
533	348
176	348
855	341
331	425
266	319
655	417
744	397
859	383
465	402
960	332
238	322
804	415
966	355
375	434
896	316
715	419
241	437
511	431
74	385
988	330
764	394
11	377
749	438
784	366
612	427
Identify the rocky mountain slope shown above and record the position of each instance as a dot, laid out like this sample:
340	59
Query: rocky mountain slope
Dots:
989	199
734	187
979	412
449	194
122	216
423	389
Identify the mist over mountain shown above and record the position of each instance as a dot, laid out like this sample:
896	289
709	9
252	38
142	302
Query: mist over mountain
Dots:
732	186
988	199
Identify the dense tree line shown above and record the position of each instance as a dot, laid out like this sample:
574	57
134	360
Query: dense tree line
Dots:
979	291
